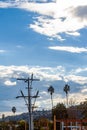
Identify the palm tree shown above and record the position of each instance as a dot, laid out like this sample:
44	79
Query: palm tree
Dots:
66	90
51	91
14	109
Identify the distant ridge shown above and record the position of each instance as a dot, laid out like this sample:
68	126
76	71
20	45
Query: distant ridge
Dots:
24	116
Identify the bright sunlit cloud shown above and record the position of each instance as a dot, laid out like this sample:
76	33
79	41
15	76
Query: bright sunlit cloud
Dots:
55	18
9	83
84	90
68	49
43	73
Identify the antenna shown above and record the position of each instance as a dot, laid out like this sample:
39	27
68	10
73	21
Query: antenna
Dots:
29	97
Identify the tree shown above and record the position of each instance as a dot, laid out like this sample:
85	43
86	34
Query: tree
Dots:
82	108
51	91
72	102
66	90
22	125
14	109
60	111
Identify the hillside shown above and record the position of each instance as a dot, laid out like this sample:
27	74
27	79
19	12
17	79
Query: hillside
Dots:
24	116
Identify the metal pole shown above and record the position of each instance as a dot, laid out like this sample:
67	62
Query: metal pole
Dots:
29	104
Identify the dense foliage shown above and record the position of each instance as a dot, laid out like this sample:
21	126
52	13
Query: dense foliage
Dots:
60	111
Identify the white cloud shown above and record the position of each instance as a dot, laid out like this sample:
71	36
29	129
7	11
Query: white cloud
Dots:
79	97
9	83
43	73
73	33
84	90
79	70
77	79
68	49
6	4
56	18
6	71
3	4
62	18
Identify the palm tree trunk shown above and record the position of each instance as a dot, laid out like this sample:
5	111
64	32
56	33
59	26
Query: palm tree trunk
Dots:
67	99
52	101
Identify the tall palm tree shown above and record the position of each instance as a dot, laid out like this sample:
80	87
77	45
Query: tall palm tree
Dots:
66	90
14	109
51	91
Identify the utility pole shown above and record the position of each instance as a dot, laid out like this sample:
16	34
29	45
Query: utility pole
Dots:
29	97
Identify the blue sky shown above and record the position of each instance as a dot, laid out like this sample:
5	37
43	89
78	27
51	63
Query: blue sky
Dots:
48	39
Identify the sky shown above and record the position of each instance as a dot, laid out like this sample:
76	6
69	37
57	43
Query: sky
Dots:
46	38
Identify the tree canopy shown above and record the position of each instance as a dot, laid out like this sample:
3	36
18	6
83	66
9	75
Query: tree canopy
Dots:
60	111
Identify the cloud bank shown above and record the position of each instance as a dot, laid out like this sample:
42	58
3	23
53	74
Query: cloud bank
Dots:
56	76
46	74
